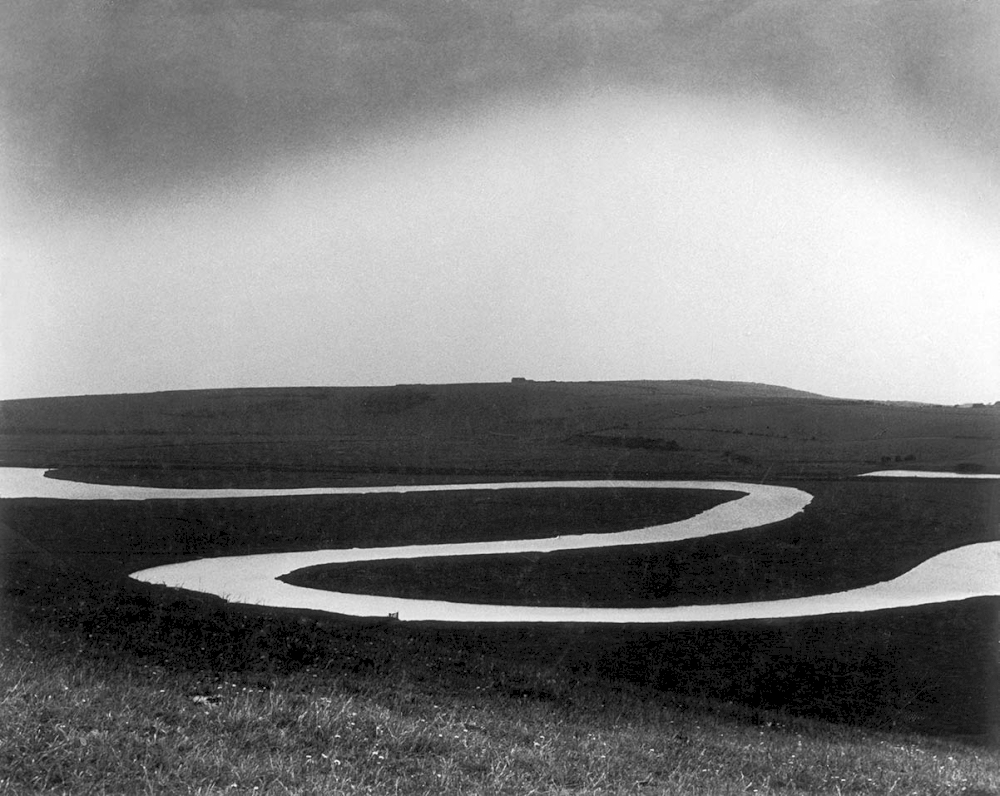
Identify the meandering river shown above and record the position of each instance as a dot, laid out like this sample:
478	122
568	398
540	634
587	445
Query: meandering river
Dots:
969	571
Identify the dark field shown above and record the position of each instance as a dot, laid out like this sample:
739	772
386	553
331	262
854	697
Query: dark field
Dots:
852	534
933	669
114	538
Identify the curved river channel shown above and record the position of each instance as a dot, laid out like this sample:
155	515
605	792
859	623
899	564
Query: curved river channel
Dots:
962	573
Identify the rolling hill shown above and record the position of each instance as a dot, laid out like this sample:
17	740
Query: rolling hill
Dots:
523	428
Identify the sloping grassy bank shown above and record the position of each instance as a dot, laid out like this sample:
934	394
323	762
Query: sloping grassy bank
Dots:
112	689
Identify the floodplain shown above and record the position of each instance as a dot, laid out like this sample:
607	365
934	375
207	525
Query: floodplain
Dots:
928	669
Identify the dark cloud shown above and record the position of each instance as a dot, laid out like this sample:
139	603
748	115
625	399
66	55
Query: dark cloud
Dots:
112	96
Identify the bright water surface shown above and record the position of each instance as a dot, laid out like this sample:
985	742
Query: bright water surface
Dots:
928	474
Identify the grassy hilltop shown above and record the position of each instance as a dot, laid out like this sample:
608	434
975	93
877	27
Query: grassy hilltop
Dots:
111	686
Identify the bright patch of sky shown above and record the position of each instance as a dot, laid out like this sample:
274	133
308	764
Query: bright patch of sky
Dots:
597	216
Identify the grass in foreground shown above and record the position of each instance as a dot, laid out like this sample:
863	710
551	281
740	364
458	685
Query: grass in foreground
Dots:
107	689
79	719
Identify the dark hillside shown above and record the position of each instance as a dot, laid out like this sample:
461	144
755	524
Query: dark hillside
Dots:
627	429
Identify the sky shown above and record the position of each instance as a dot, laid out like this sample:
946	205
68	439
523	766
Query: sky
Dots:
206	194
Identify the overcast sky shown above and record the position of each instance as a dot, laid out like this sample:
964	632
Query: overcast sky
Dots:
348	192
